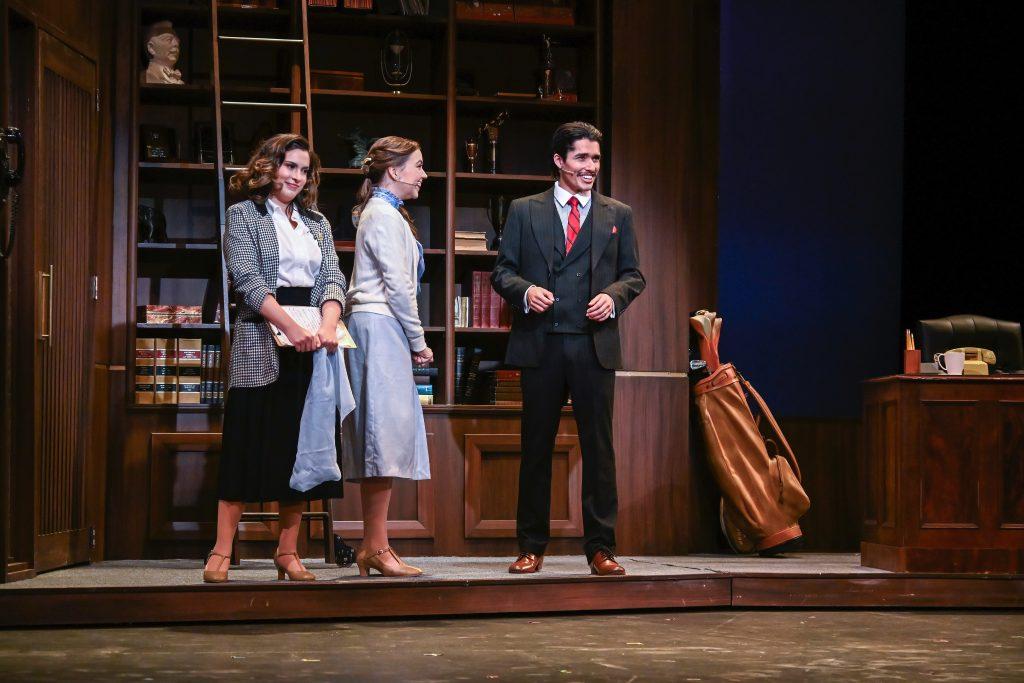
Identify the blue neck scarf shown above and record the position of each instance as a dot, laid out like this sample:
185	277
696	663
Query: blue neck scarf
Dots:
387	196
394	201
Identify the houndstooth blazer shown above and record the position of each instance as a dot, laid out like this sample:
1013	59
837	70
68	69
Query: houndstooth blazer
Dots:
251	252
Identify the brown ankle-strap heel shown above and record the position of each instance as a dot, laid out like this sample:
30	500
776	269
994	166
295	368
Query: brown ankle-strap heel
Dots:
282	571
367	561
215	576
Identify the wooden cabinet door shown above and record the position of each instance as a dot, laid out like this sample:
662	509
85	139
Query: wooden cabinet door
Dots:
64	238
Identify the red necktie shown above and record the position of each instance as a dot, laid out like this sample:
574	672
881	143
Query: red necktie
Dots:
574	224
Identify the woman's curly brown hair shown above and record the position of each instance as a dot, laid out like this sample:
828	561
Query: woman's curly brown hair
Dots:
256	180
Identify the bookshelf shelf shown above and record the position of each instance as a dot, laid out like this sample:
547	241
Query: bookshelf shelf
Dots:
481	330
379	101
201	94
466	253
184	327
508	32
536	107
175	408
330	21
176	166
177	247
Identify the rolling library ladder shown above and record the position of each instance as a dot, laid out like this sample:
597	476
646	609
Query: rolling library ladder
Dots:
299	103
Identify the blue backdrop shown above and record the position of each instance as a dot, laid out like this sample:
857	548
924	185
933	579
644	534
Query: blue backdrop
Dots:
810	197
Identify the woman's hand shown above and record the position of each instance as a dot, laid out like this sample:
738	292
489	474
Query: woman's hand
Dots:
423	358
328	336
301	339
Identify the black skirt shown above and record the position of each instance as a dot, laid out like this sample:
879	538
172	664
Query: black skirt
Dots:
261	430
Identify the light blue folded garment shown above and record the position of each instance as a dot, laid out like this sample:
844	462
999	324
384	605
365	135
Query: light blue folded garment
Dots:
329	393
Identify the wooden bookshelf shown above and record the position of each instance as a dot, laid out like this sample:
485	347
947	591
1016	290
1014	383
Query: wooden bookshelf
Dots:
434	109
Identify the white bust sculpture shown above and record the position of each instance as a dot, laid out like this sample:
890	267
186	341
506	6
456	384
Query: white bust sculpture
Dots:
163	48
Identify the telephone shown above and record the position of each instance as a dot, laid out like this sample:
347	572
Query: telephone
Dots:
10	178
977	360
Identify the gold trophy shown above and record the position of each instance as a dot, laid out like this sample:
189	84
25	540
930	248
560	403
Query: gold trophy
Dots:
491	129
472	154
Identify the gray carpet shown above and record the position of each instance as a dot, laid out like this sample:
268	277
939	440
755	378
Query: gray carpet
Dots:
135	573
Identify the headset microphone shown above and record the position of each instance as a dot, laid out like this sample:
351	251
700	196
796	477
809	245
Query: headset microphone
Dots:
404	182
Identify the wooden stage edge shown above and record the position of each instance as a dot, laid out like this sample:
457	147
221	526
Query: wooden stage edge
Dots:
419	598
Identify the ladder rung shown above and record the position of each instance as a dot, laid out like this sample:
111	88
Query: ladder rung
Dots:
282	105
256	39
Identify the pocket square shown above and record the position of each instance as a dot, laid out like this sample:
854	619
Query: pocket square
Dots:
615	229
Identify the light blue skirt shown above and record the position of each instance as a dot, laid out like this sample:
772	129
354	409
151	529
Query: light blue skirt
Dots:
384	436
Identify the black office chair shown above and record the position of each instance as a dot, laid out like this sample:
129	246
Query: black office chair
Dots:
956	331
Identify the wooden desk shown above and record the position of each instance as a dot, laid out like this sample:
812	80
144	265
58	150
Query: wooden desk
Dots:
944	474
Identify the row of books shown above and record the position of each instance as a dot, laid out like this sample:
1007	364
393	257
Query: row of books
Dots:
182	371
424	378
507	387
484	382
485	308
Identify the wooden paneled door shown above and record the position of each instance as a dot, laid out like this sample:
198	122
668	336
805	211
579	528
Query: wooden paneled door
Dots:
67	169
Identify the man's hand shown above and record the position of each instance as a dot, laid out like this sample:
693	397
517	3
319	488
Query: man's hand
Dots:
600	307
539	299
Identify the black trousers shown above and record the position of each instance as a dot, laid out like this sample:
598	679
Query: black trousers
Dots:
569	363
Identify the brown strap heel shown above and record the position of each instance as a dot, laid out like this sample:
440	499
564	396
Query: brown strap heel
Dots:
215	576
366	562
282	571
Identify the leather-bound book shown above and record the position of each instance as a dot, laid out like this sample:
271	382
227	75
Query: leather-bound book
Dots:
166	370
144	372
478	311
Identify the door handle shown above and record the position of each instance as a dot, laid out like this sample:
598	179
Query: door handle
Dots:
45	308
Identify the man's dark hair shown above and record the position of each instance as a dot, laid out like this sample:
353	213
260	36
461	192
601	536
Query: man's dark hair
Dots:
567	134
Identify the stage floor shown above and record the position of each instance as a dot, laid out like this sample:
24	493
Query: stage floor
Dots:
157	573
162	591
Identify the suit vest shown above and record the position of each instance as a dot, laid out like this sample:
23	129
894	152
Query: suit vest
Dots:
570	280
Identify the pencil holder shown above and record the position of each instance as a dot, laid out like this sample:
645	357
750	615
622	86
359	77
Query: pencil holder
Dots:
912	362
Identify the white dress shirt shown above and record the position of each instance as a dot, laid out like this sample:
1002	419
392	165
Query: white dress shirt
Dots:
562	197
299	255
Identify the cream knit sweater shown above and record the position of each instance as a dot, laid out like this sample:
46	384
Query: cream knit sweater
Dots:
384	273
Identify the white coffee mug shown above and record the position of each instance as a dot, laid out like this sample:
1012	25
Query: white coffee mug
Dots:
954	362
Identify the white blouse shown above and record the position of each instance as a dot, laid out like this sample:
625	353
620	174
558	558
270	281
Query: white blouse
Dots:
299	254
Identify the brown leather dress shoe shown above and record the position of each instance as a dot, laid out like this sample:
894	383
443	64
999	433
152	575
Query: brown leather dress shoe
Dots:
526	563
604	564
